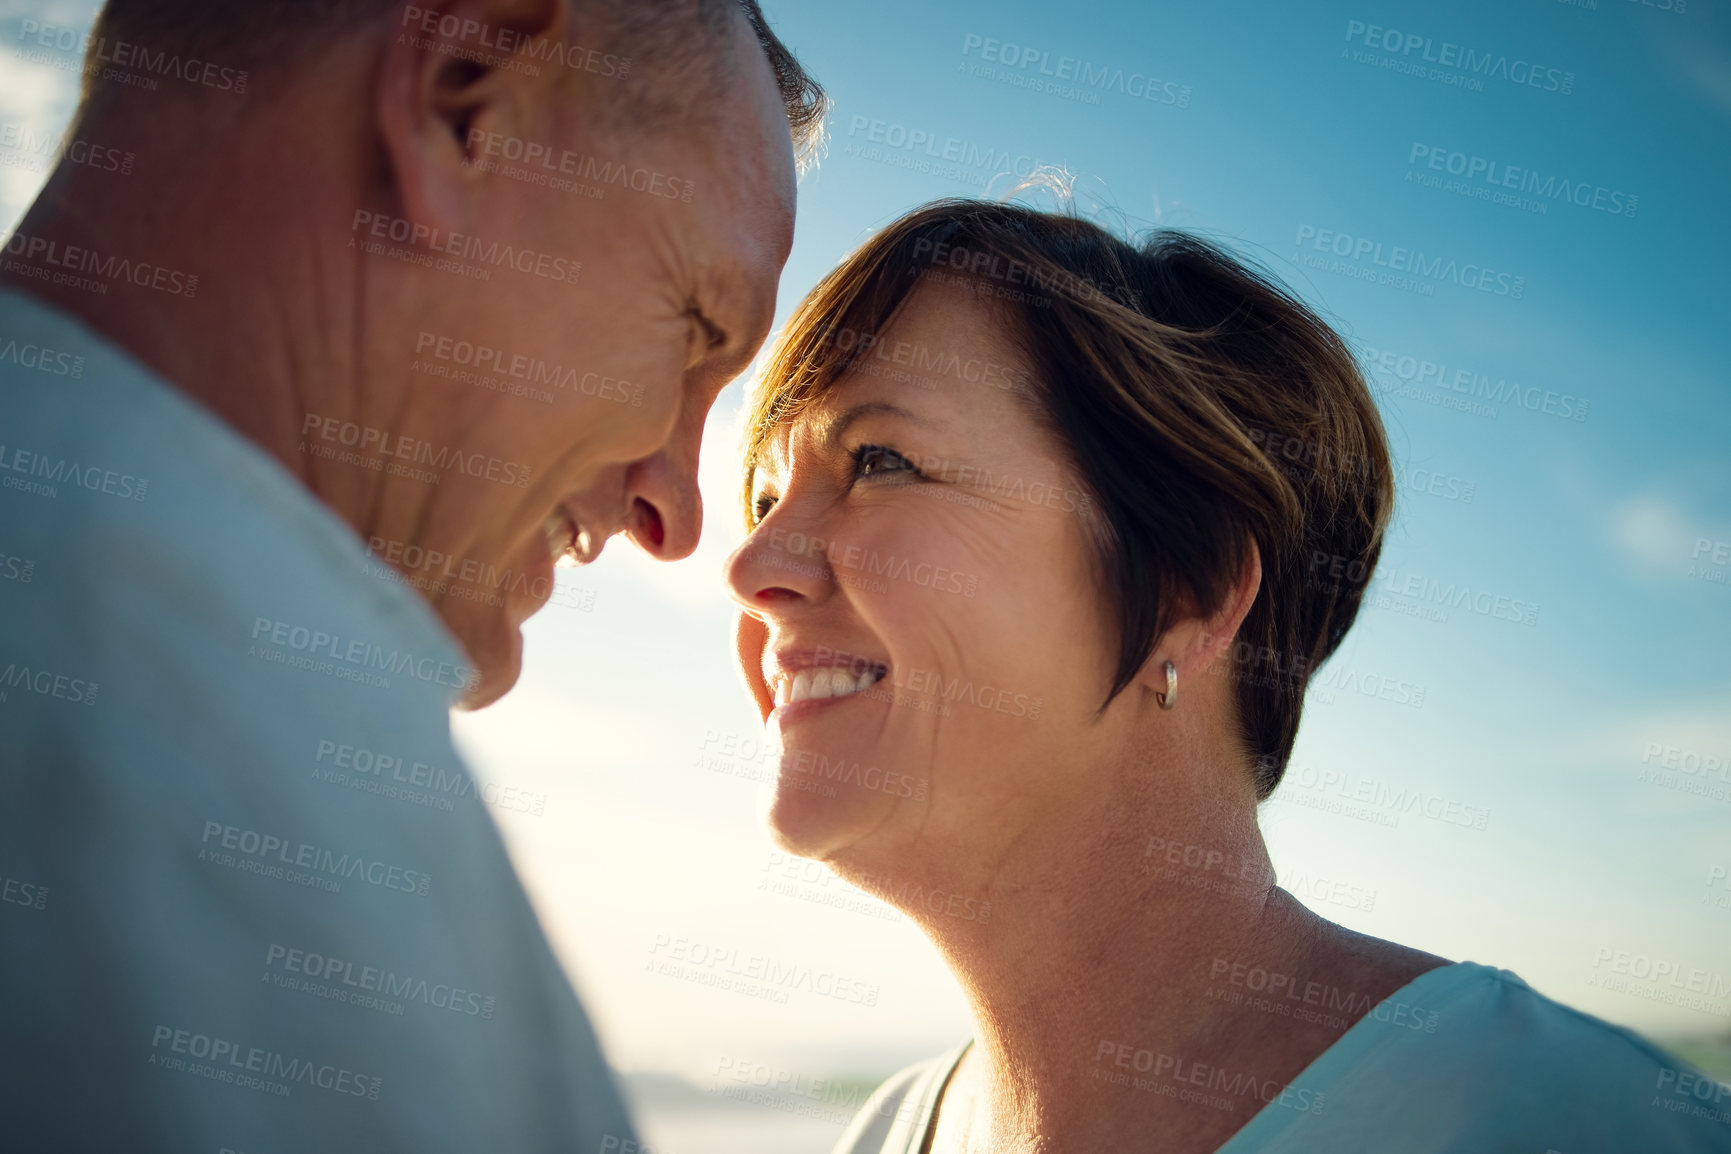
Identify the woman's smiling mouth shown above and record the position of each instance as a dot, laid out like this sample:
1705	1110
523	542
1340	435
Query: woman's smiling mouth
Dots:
815	683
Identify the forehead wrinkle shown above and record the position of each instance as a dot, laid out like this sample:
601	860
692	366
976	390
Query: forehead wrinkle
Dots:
832	426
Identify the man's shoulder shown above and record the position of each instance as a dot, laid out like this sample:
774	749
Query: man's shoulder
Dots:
151	541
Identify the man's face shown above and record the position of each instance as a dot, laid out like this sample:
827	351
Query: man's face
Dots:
593	382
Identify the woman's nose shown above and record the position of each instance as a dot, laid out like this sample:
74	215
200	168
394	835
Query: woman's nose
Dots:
779	566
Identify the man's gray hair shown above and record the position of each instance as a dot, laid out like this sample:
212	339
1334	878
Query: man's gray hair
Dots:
672	40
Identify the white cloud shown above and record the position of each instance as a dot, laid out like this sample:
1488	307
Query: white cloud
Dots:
1656	535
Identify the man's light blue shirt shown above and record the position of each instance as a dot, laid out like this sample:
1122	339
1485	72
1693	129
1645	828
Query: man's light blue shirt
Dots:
253	899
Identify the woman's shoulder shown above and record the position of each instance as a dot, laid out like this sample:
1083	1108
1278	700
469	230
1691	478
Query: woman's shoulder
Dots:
895	1118
1485	1004
1469	1054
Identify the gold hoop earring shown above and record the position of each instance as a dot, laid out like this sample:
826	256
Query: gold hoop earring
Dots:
1170	697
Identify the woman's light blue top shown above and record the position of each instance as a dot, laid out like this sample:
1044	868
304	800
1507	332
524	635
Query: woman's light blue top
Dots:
1464	1059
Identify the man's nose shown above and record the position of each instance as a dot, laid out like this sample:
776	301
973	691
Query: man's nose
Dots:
663	505
664	510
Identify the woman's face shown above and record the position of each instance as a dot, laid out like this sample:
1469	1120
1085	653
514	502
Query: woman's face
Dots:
923	629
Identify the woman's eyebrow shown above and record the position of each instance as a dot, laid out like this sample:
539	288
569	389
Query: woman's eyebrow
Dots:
832	429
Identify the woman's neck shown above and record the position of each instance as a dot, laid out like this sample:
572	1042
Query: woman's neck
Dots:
1143	981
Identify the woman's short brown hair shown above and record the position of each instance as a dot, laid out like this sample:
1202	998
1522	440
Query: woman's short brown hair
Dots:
1204	407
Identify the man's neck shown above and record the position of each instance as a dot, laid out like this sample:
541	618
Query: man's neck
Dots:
265	334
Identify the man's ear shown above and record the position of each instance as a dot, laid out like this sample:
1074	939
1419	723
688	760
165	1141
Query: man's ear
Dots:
447	65
1193	643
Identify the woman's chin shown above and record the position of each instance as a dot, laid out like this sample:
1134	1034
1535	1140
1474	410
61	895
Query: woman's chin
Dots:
817	820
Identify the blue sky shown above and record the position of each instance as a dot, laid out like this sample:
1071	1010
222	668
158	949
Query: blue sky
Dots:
1271	124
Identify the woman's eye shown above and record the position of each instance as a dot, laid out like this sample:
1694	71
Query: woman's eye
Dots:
761	507
871	460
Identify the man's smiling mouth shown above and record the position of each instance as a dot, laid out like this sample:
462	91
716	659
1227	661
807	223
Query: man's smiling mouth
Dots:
568	541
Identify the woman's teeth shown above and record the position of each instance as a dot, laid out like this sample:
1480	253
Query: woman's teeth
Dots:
810	683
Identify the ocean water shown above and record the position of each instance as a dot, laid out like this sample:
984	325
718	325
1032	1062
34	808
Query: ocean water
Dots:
732	1130
676	1116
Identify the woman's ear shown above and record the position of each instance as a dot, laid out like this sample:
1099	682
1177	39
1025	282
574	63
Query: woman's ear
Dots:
1194	643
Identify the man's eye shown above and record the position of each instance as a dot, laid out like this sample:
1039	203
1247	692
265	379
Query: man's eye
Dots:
713	336
871	460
